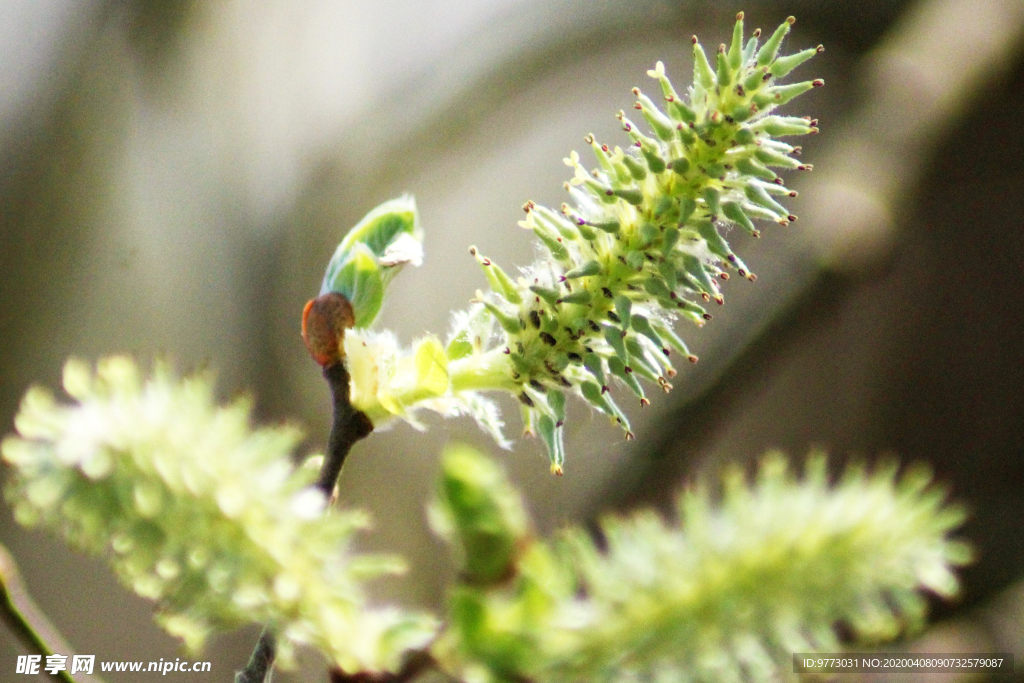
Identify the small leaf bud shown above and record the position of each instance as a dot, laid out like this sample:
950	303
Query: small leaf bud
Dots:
324	321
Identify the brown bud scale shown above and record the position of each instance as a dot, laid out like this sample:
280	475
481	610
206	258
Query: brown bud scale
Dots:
324	321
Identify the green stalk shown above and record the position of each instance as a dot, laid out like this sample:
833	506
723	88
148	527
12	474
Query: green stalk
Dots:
28	622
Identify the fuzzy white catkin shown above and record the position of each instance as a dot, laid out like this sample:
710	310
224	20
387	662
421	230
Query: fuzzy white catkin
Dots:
201	513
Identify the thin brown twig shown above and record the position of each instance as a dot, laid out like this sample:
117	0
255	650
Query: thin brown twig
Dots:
261	661
348	426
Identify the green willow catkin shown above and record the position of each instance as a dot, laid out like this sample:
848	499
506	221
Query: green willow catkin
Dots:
640	246
726	589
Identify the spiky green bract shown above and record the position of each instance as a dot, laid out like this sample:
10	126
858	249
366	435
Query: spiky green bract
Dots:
372	253
201	513
641	245
727	592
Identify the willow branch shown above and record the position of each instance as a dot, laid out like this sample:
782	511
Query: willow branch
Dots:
28	622
261	660
348	426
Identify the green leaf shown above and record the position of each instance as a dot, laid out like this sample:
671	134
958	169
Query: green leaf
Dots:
361	282
372	253
381	228
459	347
431	367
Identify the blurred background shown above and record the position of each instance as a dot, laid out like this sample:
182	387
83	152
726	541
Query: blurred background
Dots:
174	175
